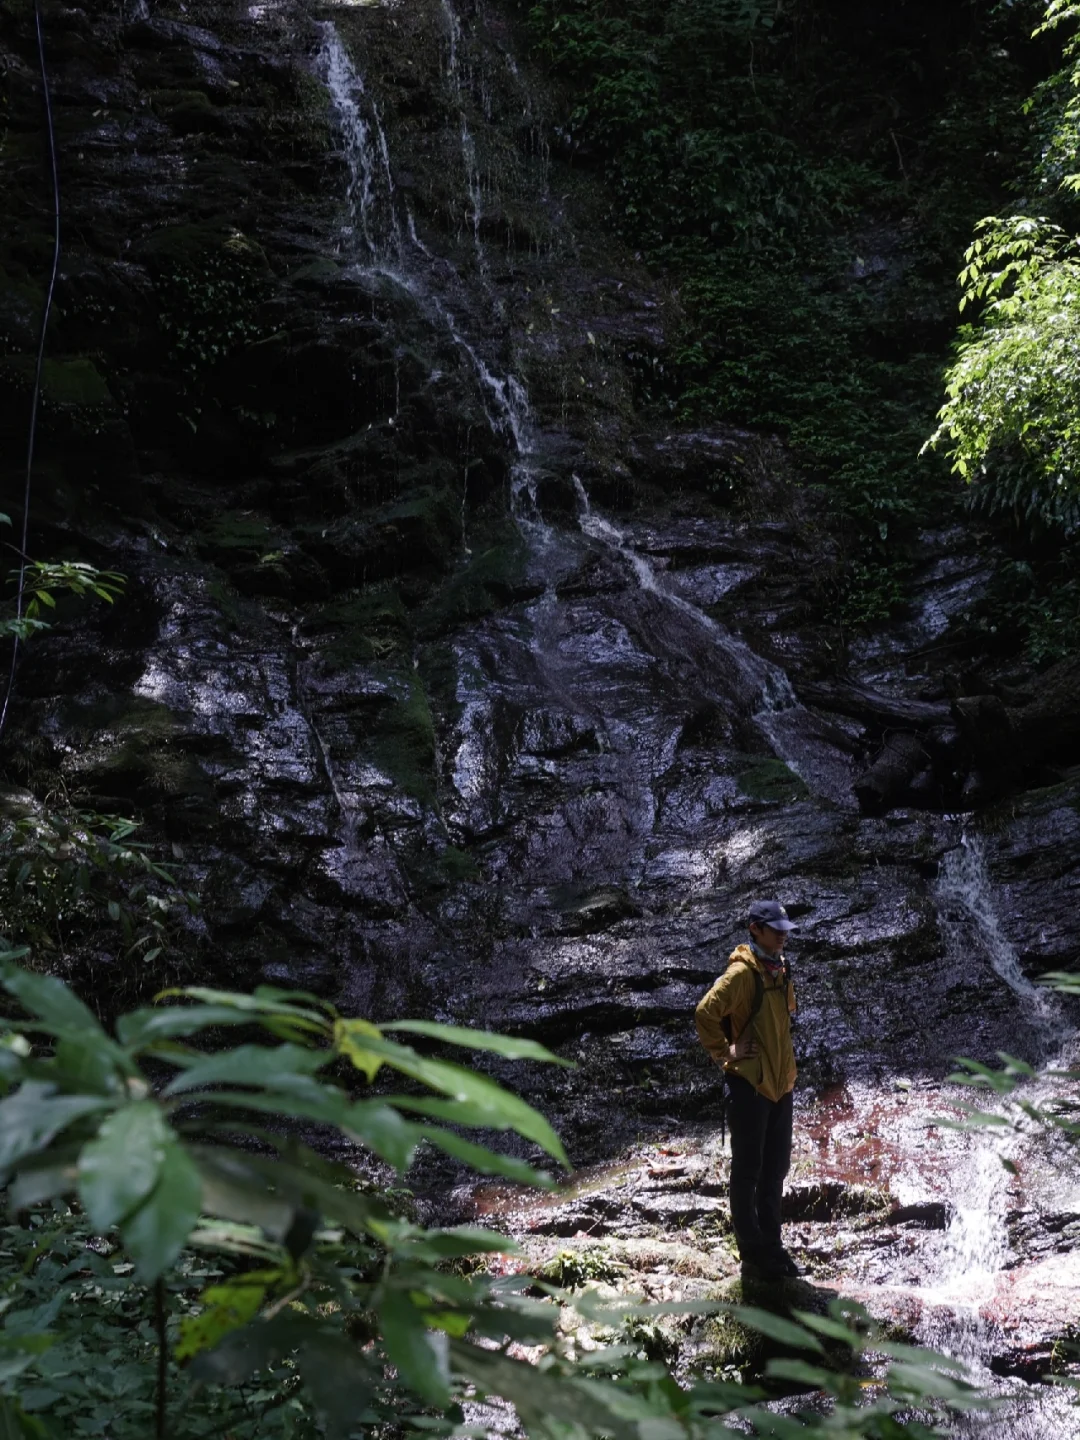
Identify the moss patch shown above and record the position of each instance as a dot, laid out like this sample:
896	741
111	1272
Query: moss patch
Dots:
771	780
487	580
369	625
403	744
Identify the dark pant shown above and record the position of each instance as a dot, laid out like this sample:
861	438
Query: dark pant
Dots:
760	1157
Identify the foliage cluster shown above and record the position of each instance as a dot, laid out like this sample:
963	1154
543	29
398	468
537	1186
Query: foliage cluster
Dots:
1011	423
67	869
217	1275
805	187
209	309
40	581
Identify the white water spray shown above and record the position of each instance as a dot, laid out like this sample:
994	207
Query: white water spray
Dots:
965	895
373	219
975	1250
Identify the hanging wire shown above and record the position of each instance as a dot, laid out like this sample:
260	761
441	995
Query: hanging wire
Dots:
36	399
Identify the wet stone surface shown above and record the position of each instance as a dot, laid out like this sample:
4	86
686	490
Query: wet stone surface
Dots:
456	690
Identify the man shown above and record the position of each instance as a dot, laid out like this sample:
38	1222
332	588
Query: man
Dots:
745	1024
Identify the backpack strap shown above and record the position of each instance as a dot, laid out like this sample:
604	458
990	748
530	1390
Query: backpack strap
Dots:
755	1004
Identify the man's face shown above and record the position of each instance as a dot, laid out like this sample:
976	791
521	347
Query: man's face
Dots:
768	939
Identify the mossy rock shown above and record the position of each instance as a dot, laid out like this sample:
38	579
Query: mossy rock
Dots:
728	1342
316	274
74	383
426	521
189	111
488	579
771	780
192	247
403	742
21	304
239	536
430	873
367	626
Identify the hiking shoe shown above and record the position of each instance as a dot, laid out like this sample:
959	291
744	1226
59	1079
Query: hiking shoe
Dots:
765	1267
787	1265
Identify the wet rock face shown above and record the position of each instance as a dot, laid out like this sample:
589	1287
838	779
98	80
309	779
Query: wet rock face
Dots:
462	683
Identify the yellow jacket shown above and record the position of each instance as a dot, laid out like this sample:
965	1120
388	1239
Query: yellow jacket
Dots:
772	1070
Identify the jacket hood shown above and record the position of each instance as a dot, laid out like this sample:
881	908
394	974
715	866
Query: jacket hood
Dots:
747	956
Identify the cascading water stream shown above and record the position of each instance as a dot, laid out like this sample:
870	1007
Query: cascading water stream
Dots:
373	223
374	239
975	1251
468	144
770	698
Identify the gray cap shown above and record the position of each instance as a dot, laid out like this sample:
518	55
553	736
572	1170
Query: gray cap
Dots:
770	912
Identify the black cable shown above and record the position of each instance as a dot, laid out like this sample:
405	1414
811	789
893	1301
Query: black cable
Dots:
35	401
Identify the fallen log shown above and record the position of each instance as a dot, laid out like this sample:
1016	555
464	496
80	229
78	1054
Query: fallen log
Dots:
846	697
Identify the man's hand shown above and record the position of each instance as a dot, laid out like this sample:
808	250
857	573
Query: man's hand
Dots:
743	1048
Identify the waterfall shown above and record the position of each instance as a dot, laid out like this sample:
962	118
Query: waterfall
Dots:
373	217
374	237
975	1248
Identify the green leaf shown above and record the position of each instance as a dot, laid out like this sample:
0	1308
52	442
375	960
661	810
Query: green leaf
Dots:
144	1027
82	1063
34	1115
120	1168
589	1406
824	1325
777	1328
234	1190
225	1308
43	1178
350	1037
50	1000
504	1110
421	1355
340	1382
262	1006
381	1129
252	1348
262	1190
507	1046
158	1230
248	1065
801	1372
463	1240
15	1424
487	1162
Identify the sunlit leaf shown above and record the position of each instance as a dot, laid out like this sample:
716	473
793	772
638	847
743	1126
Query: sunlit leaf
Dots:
248	1065
506	1111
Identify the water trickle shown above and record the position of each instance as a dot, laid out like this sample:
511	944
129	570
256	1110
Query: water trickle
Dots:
373	222
965	898
468	144
763	688
375	233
